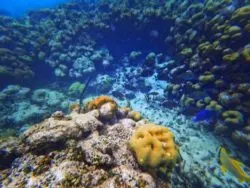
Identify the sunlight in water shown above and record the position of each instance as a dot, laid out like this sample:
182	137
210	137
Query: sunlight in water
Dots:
18	8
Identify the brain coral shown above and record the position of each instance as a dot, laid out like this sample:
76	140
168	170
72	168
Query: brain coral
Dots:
154	147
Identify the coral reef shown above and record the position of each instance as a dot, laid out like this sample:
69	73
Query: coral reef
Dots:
78	150
214	56
17	53
184	55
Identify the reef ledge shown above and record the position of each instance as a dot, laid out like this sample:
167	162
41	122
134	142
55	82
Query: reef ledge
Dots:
88	149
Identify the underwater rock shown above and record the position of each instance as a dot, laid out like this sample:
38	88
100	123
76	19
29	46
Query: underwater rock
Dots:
81	151
186	76
9	150
130	177
54	131
107	111
59	115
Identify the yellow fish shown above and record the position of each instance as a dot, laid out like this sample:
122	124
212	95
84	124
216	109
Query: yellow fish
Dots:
233	166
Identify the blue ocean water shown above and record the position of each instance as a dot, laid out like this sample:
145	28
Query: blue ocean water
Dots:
18	8
79	78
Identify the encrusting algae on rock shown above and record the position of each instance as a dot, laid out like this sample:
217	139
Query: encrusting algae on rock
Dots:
85	150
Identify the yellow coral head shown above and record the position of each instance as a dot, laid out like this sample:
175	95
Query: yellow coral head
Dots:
154	146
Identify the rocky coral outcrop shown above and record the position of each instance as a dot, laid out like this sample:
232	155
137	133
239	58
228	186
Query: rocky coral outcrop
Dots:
56	131
77	150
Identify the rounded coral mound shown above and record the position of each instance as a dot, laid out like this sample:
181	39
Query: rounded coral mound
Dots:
134	115
154	147
75	89
75	150
232	117
207	77
232	57
246	54
99	101
106	105
242	14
